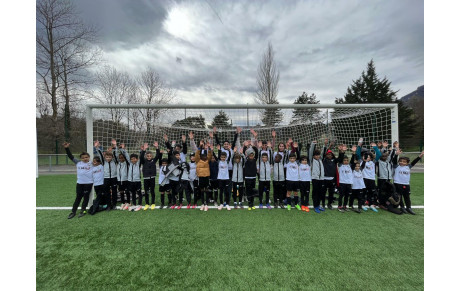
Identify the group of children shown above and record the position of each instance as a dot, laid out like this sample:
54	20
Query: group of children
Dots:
235	170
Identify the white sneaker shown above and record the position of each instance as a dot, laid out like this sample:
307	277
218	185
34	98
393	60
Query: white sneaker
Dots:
220	207
138	207
202	207
132	207
206	208
228	207
122	206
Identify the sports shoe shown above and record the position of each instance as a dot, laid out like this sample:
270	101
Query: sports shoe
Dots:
194	206
330	206
268	206
373	208
282	205
302	208
317	210
71	215
346	209
410	211
188	206
139	207
289	207
225	204
215	204
173	206
127	205
357	210
220	207
340	208
253	208
202	207
122	206
307	209
83	213
180	206
228	207
206	208
364	207
249	208
235	205
152	206
321	208
298	207
261	206
146	206
162	206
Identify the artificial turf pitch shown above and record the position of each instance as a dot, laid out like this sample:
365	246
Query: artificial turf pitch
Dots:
238	249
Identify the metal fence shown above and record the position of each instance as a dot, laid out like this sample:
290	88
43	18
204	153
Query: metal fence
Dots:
54	163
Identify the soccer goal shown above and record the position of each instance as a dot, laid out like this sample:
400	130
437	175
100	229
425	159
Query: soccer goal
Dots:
135	124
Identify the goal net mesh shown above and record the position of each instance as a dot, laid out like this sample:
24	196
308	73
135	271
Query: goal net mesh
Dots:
135	126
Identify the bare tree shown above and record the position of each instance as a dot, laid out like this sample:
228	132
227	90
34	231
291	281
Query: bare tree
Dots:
115	87
267	87
61	38
152	90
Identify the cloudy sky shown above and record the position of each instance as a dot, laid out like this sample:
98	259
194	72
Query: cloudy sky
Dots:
209	50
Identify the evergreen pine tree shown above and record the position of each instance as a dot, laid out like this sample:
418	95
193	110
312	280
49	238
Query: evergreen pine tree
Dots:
308	115
221	120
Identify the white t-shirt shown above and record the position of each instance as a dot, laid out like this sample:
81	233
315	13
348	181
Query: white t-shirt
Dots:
85	173
402	175
369	170
223	171
98	175
345	175
292	171
358	181
304	172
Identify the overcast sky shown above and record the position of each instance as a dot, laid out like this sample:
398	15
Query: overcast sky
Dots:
209	51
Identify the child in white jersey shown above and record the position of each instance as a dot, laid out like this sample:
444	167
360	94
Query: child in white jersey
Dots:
304	183
109	162
317	177
345	177
224	180
99	187
238	178
264	171
402	181
292	181
357	186
84	180
370	192
122	178
279	181
163	181
134	180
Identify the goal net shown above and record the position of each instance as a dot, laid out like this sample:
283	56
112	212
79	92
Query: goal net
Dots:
135	124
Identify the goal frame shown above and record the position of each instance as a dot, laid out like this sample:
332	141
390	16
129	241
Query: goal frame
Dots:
90	107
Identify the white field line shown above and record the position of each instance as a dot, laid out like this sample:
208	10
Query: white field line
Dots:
185	208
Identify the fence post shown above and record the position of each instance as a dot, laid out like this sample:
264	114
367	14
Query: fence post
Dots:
50	162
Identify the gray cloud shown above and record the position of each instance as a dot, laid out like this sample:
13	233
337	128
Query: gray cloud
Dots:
320	46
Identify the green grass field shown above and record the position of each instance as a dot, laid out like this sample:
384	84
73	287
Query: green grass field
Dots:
190	249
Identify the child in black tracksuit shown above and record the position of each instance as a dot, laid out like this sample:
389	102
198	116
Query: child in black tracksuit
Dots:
214	184
149	171
330	177
250	174
109	162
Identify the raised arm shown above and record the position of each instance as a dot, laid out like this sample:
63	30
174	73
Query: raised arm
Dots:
416	160
142	154
69	154
167	143
378	153
192	142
